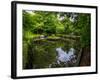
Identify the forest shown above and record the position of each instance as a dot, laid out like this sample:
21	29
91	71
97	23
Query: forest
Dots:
56	39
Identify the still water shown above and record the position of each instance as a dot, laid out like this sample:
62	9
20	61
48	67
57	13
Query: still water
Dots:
47	53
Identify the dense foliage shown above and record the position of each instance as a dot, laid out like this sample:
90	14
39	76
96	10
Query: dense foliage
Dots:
53	25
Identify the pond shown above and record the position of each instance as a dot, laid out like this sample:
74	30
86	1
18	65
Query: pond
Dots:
51	53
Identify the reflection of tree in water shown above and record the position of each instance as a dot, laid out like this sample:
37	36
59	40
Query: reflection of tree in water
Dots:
42	54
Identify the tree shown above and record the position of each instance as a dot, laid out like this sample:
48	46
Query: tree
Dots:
83	27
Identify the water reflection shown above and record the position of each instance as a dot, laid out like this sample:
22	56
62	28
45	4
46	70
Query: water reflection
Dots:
65	57
51	53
